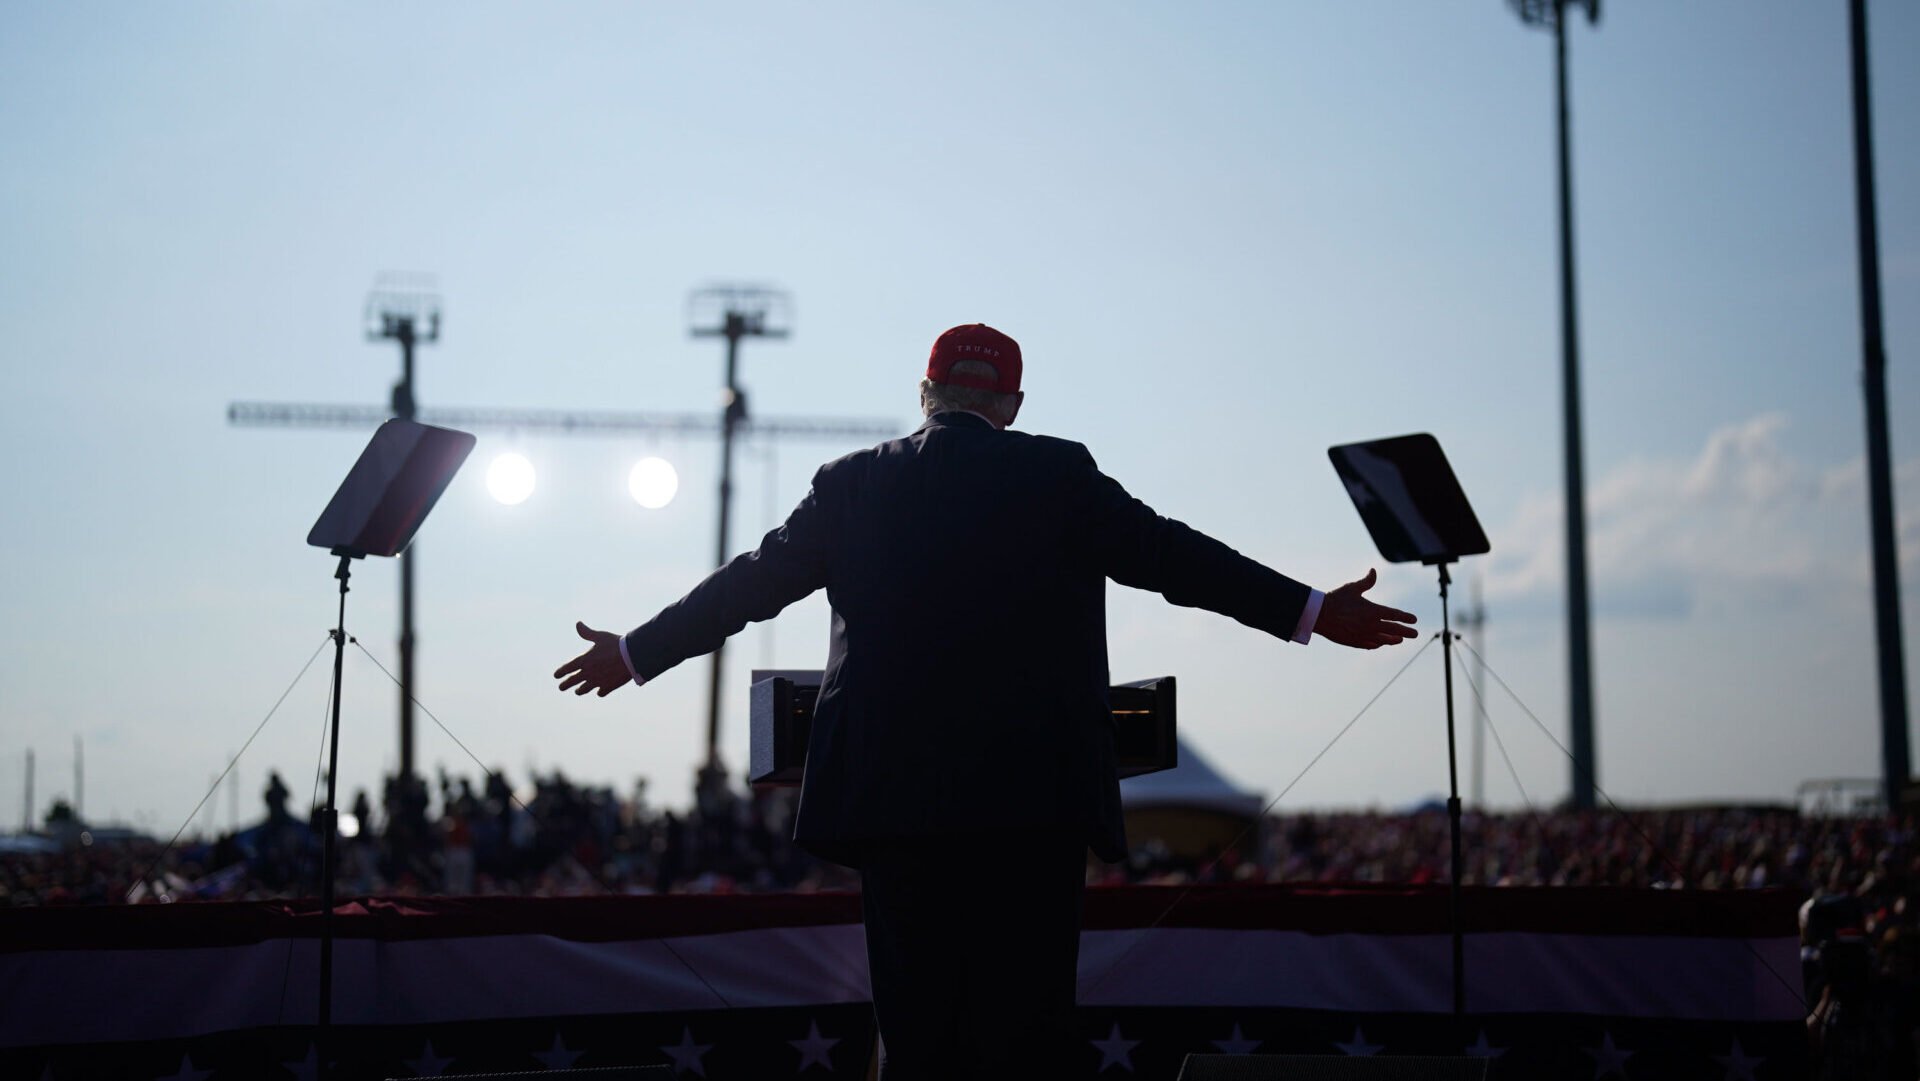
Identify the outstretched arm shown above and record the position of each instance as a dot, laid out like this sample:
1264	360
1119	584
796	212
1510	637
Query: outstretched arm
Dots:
1350	619
1140	548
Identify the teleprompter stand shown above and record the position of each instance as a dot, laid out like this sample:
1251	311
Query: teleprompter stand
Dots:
387	494
1412	504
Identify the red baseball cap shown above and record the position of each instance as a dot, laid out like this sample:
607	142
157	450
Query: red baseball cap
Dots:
976	341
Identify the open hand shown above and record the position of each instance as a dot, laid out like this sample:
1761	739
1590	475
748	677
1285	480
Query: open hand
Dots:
601	668
1349	618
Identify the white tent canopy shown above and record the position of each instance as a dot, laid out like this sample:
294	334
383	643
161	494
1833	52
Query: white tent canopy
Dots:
1194	783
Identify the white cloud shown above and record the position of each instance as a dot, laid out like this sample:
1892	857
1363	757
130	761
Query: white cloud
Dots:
1742	522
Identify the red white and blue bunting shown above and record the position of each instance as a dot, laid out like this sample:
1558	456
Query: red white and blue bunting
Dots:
1561	983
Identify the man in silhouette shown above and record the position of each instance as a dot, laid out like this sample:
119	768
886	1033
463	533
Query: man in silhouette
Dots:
962	753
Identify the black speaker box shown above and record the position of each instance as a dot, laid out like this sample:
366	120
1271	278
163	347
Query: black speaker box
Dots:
1332	1068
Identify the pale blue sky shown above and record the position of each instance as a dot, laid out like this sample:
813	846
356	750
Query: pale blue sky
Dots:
1227	236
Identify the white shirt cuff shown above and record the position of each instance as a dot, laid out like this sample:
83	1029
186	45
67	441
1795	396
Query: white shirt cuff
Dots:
638	682
1301	634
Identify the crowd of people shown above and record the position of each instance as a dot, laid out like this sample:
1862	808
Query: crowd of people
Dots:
1707	848
555	838
561	838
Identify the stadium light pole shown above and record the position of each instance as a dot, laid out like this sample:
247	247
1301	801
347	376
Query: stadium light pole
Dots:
1895	763
732	312
405	308
1552	14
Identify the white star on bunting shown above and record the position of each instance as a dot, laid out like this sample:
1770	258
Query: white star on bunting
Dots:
1115	1050
1739	1065
306	1069
1608	1059
814	1049
686	1054
1481	1049
1236	1044
428	1064
1359	1046
559	1056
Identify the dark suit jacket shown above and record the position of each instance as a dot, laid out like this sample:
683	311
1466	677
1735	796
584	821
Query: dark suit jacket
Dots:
966	685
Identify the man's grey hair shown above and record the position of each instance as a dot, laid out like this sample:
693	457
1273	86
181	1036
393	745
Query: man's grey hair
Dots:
945	397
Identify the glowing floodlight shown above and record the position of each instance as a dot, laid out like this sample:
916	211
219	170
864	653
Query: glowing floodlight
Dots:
510	478
653	482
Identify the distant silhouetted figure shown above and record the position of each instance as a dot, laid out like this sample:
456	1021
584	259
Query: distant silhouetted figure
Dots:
276	797
363	812
963	716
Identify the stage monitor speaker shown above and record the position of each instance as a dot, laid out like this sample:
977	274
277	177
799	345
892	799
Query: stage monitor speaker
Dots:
1332	1068
597	1073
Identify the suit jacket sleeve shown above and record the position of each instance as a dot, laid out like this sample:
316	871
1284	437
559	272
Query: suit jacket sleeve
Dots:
789	564
1140	548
